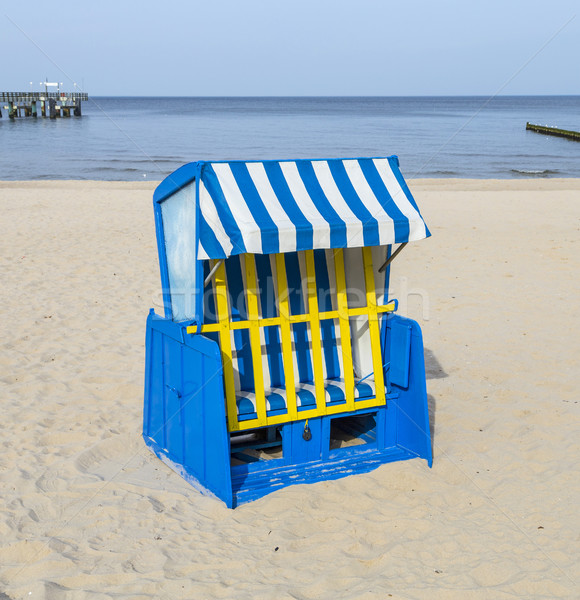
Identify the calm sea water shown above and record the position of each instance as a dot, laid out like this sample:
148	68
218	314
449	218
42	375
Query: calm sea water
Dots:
147	138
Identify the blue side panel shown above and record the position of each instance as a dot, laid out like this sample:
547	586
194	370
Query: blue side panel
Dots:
400	352
184	417
206	437
155	385
412	425
173	370
147	398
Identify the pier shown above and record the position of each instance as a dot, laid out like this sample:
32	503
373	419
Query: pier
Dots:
46	104
565	133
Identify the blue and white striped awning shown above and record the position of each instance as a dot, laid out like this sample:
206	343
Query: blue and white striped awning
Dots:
282	206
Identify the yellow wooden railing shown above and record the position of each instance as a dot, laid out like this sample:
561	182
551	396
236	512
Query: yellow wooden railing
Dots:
284	321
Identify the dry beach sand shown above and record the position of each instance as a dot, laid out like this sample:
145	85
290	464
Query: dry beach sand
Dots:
87	512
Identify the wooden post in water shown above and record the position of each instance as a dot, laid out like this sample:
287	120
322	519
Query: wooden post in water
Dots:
11	110
52	108
565	133
33	109
77	111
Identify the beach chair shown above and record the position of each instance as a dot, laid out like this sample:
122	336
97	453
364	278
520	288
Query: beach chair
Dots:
280	358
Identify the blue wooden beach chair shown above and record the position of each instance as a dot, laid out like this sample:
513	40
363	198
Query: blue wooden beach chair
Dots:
280	358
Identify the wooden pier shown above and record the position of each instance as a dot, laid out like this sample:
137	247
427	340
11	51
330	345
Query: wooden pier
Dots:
565	133
47	104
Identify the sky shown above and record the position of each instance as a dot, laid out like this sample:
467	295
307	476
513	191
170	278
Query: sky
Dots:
293	47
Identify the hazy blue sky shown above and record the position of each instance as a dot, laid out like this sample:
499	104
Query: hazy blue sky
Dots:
299	47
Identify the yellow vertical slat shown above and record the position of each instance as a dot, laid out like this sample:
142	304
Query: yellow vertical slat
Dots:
345	335
223	317
286	337
315	332
374	325
255	345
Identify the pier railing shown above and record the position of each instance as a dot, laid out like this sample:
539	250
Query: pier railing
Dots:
50	104
24	96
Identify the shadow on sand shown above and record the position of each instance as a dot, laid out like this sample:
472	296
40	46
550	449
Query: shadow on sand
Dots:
433	370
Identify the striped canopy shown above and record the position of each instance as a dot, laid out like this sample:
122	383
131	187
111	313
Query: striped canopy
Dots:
282	206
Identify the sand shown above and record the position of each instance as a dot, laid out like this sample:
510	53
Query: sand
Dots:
88	512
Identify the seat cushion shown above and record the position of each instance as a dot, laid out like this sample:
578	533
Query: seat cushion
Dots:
305	397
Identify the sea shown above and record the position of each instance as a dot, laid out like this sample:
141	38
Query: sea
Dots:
146	138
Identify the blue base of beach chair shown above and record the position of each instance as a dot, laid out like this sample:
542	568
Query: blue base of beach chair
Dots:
314	460
185	419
